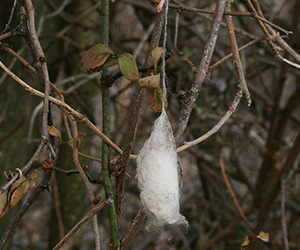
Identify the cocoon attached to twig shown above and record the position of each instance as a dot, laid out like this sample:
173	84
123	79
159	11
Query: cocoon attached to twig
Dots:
158	174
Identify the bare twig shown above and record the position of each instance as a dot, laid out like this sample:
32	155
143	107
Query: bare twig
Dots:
236	56
130	135
96	210
217	127
27	11
10	17
86	180
26	167
283	218
227	13
231	54
193	94
64	106
232	194
135	226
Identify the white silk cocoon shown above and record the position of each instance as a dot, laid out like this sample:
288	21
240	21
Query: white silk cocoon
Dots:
158	175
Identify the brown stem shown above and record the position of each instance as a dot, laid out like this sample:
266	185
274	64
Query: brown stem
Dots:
193	94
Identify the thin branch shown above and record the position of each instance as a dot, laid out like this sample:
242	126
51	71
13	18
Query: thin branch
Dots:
283	217
26	167
64	106
236	56
10	17
131	131
193	94
85	219
135	226
227	13
217	127
31	37
236	203
86	181
231	54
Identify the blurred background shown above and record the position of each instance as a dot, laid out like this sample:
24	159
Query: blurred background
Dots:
259	143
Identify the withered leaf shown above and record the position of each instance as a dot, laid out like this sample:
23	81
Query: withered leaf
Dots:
150	82
245	243
94	58
253	237
156	54
128	66
263	236
16	192
54	132
156	100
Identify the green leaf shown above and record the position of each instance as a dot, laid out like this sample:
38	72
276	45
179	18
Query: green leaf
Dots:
156	54
128	66
94	58
111	61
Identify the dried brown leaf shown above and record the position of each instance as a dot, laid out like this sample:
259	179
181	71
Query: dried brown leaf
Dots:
156	100
128	66
245	243
54	132
263	236
94	58
16	192
150	82
156	54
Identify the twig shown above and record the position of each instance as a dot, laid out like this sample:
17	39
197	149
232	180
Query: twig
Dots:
24	208
227	13
273	36
81	223
283	218
130	133
64	106
236	203
193	94
135	225
231	54
217	127
236	56
10	17
27	11
26	167
18	57
58	207
86	181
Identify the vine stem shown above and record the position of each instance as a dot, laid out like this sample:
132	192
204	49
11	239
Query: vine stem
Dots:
106	180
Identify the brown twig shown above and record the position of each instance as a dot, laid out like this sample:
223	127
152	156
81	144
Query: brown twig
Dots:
283	217
26	167
193	94
31	37
85	219
236	56
232	194
231	54
135	226
85	179
10	17
64	106
217	127
227	13
130	135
